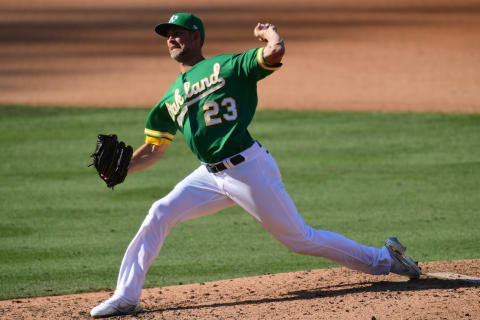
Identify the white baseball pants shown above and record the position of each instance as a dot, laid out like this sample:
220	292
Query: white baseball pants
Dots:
256	186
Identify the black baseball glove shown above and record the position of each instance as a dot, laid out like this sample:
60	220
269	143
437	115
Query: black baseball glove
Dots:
111	159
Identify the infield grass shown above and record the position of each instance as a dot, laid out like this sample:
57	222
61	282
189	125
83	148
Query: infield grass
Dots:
365	175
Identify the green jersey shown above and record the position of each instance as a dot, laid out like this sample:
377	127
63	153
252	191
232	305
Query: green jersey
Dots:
212	104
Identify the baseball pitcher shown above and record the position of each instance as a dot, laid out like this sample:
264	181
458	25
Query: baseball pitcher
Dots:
211	103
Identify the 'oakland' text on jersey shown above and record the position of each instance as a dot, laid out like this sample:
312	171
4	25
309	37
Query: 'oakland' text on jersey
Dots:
212	104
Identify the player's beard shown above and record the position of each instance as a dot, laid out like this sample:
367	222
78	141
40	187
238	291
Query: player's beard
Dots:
177	54
180	54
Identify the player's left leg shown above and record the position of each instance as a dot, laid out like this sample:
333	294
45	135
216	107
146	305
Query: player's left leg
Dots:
195	196
256	185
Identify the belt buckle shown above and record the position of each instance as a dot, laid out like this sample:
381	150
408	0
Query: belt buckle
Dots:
216	167
220	166
211	168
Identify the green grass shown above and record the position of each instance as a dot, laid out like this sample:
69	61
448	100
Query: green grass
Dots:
365	175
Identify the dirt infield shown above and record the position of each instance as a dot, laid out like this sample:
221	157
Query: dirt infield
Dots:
410	55
341	55
316	294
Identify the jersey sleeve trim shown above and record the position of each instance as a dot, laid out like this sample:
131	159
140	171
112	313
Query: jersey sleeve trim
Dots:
158	134
156	141
262	62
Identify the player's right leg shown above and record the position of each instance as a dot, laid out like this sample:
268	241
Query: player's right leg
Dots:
195	196
256	185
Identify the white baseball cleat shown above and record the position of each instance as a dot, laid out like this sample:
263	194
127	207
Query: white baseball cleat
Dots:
402	264
114	307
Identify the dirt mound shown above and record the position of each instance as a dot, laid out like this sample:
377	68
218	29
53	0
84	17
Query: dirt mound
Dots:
336	293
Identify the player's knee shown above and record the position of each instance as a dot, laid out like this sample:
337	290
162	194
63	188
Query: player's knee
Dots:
301	243
161	214
300	247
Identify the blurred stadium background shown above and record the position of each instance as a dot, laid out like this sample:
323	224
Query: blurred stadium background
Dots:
341	55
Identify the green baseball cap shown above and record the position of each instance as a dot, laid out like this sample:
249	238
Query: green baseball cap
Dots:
184	20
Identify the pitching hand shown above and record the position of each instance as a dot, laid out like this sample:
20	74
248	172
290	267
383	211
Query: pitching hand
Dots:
262	29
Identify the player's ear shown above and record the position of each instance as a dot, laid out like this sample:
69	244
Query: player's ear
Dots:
197	38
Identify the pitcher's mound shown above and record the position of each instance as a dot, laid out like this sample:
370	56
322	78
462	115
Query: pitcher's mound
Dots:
317	294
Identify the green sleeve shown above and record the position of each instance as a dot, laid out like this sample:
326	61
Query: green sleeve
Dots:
160	125
251	64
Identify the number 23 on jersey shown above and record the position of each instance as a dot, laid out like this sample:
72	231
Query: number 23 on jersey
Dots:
215	113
